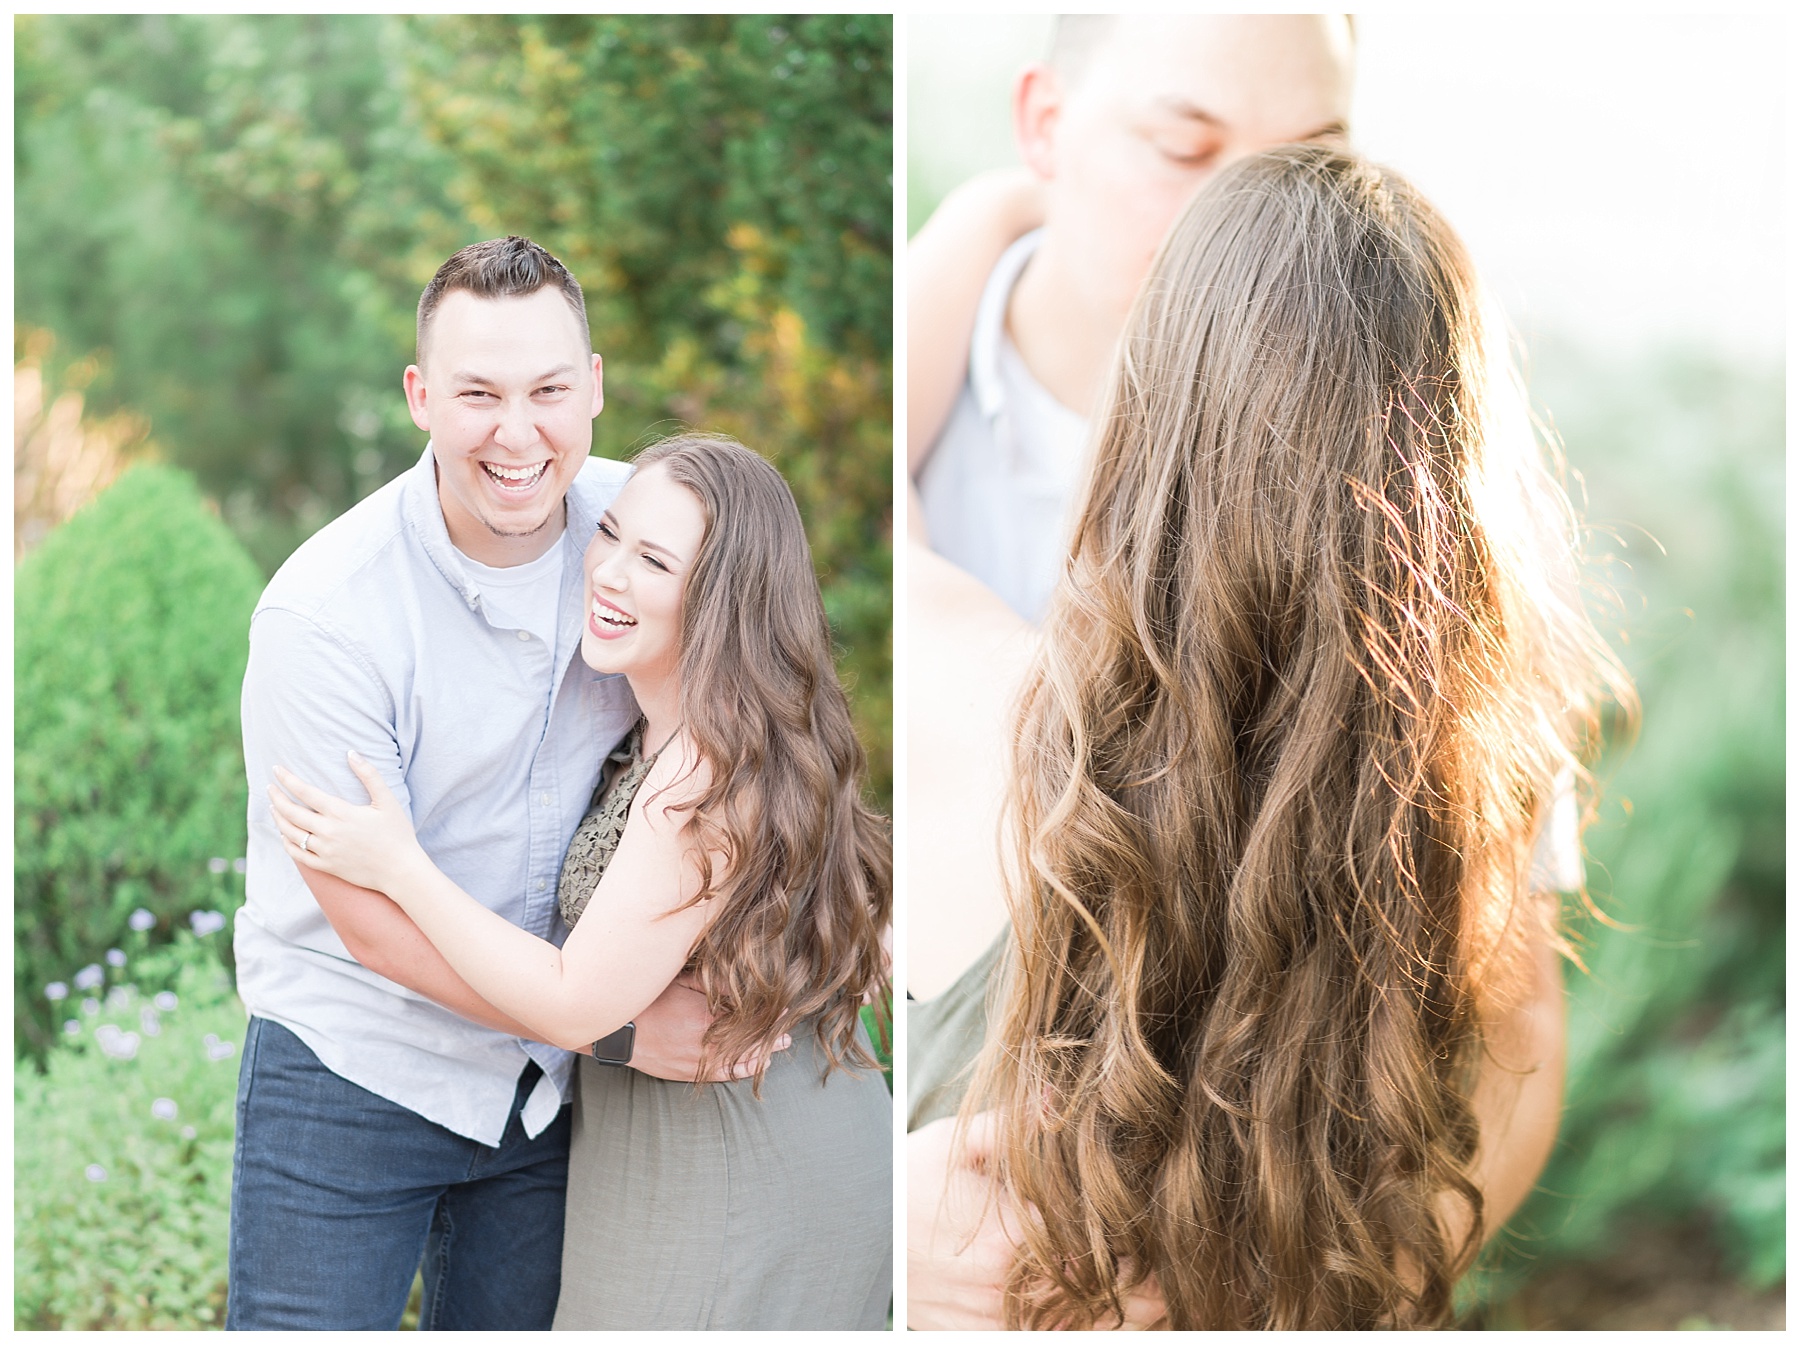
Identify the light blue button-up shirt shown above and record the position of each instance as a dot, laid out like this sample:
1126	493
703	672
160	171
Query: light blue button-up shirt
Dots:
372	636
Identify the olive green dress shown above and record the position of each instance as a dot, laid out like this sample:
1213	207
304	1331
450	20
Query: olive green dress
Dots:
694	1208
943	1037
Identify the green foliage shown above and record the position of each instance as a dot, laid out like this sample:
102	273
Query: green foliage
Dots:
722	184
226	206
1676	1092
120	1214
130	638
238	213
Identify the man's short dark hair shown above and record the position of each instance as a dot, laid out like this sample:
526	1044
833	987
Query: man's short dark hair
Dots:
499	268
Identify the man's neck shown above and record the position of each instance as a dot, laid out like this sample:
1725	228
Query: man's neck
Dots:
1065	340
503	552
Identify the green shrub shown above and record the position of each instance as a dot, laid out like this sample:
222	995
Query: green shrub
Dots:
1676	1090
131	632
122	1155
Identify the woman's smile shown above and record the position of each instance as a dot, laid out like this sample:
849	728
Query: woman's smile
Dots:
609	621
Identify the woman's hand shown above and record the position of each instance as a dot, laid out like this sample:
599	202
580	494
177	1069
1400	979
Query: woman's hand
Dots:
372	845
962	1234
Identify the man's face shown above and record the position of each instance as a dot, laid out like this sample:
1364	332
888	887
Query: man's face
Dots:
508	392
1162	104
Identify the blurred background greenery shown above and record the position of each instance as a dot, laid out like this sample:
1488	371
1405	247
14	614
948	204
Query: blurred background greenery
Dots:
1647	311
222	225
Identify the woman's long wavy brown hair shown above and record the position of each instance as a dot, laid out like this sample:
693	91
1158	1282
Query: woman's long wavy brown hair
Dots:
806	887
1302	696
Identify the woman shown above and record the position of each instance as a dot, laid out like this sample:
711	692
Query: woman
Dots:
1272	1033
731	843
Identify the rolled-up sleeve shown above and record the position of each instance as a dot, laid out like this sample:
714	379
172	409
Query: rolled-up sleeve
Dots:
309	698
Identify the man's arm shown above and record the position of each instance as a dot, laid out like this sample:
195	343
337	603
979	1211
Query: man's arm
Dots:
947	266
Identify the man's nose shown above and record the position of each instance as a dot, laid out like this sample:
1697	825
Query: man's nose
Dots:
517	430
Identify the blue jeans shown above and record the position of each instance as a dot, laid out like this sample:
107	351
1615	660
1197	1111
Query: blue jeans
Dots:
336	1194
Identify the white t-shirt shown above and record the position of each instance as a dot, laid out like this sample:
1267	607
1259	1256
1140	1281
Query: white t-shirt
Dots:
999	484
521	596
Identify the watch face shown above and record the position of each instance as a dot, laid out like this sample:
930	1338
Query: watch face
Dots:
615	1047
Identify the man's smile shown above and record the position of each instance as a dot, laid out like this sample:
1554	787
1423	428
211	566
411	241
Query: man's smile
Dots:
515	480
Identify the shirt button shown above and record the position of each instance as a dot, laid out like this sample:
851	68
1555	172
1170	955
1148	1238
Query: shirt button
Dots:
544	799
524	635
542	884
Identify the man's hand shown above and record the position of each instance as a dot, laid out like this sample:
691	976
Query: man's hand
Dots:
962	1233
667	1044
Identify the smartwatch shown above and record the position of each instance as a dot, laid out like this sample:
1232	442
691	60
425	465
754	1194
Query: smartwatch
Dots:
615	1047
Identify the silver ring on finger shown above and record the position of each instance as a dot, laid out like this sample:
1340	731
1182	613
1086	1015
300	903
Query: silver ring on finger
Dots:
306	840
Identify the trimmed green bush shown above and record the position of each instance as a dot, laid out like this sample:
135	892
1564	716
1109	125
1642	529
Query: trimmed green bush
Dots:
130	637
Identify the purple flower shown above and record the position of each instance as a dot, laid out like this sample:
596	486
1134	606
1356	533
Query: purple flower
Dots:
237	866
96	1173
206	922
141	920
164	1109
165	1000
89	976
114	958
148	1020
72	1027
56	990
119	1045
216	865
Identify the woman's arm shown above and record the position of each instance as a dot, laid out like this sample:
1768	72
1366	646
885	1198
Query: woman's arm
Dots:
968	655
622	956
1518	1094
381	936
384	939
947	266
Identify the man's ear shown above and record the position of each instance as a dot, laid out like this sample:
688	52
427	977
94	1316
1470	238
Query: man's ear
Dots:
414	383
1037	106
599	391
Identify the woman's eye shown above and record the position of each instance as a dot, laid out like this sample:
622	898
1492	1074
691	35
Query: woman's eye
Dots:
657	563
607	533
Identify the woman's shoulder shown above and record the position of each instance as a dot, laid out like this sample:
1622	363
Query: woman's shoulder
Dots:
677	780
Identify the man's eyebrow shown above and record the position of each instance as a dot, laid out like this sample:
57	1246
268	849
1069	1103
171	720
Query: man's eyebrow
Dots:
560	371
1338	127
1181	107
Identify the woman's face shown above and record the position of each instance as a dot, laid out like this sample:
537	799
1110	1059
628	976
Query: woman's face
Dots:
637	567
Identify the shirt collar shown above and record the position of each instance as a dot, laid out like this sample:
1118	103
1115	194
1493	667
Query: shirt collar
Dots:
990	325
425	513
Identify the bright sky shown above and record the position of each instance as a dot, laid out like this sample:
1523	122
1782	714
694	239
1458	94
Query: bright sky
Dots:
1618	180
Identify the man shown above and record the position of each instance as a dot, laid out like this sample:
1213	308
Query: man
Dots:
385	1111
1128	118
